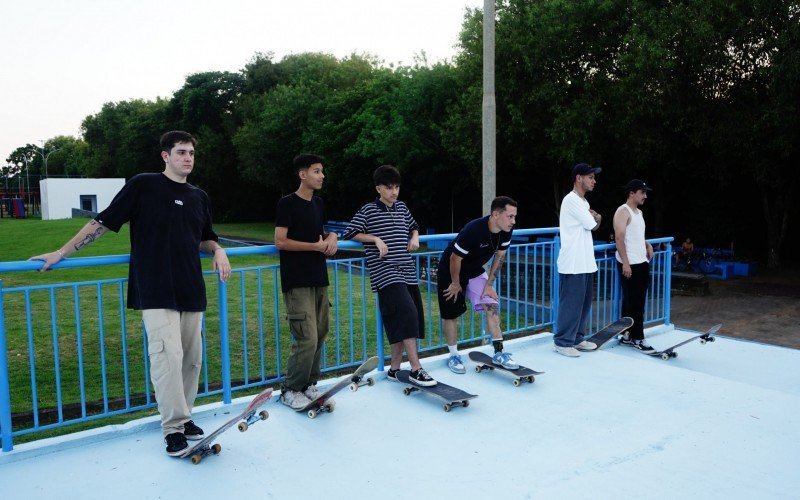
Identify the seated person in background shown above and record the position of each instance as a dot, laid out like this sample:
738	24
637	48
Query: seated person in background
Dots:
687	247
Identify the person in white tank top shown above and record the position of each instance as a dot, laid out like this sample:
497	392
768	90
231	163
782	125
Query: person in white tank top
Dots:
633	257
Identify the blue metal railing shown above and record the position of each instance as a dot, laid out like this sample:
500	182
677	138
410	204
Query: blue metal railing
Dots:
83	357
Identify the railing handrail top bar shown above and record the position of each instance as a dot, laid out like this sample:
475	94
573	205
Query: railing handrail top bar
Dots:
108	260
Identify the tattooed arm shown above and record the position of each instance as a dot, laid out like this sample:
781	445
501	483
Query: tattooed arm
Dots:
88	234
497	263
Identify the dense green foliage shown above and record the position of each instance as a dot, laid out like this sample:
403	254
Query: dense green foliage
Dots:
698	97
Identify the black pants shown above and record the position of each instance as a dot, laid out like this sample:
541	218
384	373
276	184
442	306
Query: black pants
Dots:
634	294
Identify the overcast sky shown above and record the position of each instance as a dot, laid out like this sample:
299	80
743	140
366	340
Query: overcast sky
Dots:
62	60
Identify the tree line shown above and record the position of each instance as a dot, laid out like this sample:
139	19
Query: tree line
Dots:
697	97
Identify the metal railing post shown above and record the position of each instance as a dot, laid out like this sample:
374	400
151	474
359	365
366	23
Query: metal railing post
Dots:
668	284
555	280
5	393
224	348
379	333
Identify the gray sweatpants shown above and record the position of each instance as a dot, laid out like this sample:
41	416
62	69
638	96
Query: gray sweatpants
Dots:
574	305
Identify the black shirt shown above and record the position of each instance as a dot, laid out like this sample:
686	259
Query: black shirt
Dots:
168	221
476	245
303	220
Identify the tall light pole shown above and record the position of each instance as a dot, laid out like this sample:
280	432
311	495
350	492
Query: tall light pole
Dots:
489	109
41	151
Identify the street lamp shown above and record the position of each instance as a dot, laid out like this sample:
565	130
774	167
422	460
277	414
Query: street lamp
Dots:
44	156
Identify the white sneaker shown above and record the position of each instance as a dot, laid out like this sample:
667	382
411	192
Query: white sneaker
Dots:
294	399
586	346
312	392
567	351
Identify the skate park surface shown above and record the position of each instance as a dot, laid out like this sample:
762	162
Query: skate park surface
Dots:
722	420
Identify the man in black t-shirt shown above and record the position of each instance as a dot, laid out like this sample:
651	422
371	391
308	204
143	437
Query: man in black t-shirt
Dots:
170	222
461	275
302	247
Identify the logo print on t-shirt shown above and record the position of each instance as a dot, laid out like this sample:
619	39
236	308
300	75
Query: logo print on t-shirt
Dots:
179	202
484	245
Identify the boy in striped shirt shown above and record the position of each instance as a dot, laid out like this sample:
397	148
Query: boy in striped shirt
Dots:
389	233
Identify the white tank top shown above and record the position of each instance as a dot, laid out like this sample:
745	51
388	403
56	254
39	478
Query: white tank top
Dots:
634	238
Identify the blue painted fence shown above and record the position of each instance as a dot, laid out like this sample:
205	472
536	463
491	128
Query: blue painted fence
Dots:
86	355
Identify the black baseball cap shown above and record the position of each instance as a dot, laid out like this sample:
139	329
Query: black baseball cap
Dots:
584	169
635	185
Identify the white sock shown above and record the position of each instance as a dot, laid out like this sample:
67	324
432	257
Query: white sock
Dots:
453	350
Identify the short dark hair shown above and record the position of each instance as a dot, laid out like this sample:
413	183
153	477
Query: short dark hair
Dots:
500	203
305	160
170	139
386	175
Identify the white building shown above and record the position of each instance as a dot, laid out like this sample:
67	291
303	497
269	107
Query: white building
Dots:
60	196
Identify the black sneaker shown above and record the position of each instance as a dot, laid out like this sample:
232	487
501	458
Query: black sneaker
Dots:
192	432
642	346
176	444
625	340
392	374
421	377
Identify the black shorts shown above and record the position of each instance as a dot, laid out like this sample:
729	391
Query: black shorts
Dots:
447	308
402	313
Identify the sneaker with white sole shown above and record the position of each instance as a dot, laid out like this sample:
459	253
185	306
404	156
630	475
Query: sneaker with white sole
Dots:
421	377
392	374
642	345
312	392
192	432
176	443
294	399
586	346
567	351
455	364
504	359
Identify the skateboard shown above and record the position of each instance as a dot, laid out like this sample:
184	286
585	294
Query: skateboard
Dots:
450	395
610	331
247	418
669	352
322	402
521	374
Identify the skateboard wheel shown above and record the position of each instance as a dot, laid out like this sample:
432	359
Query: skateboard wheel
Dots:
242	426
478	369
216	448
263	415
673	354
370	381
465	403
665	356
447	407
702	341
531	379
312	413
712	339
196	459
516	382
406	391
329	407
353	387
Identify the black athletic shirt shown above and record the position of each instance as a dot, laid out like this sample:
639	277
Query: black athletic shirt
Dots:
476	245
168	221
303	220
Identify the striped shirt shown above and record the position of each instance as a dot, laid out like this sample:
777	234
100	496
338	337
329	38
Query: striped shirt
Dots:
393	225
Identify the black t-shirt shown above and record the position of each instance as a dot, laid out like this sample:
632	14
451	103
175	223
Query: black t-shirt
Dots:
476	245
303	220
168	221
